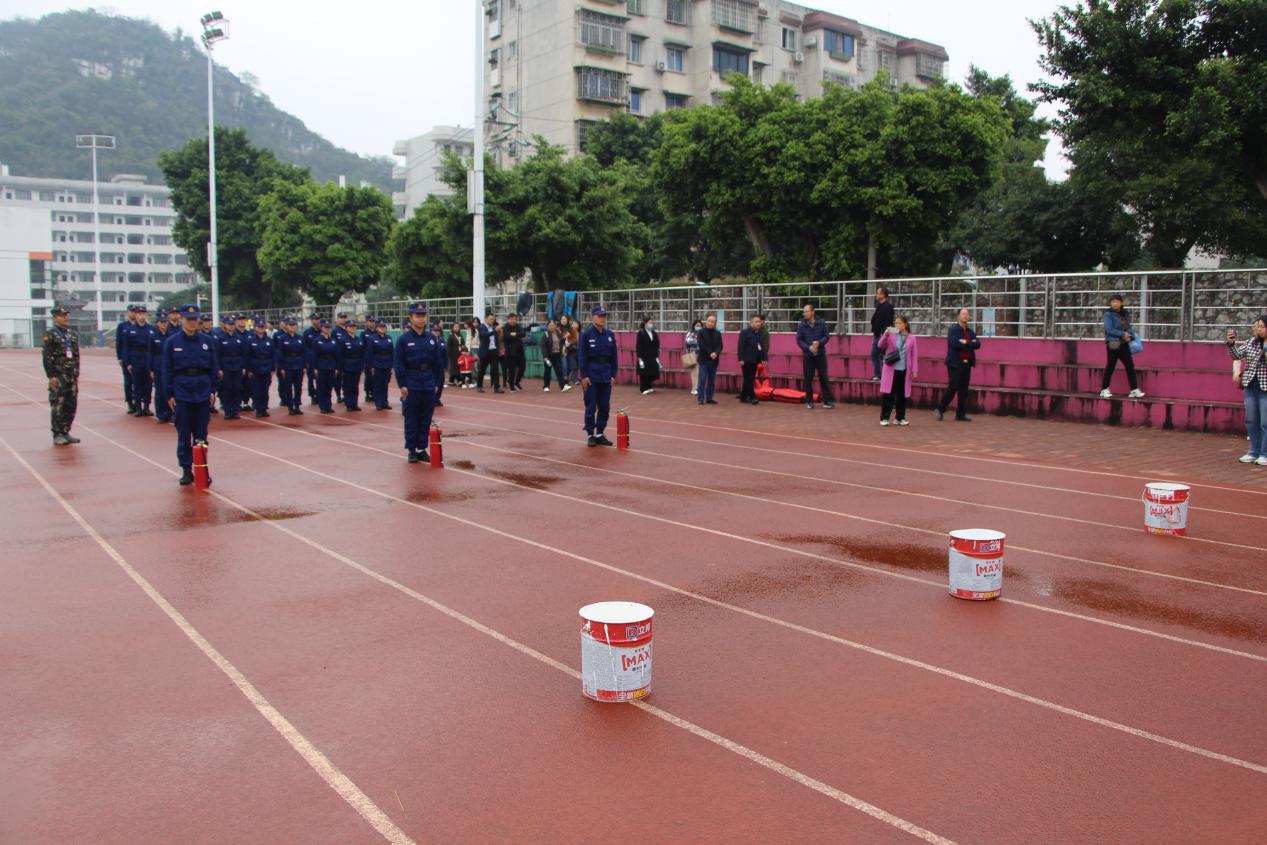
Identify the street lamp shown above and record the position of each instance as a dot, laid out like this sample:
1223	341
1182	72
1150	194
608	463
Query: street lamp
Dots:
475	195
96	141
215	28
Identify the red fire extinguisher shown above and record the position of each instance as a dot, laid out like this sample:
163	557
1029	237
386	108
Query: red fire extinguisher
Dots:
202	473
622	430
436	446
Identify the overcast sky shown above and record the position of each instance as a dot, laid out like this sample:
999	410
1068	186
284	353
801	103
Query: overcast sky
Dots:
386	71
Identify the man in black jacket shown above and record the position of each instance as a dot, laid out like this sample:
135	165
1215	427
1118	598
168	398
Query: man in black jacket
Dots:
961	356
752	351
513	342
710	349
881	319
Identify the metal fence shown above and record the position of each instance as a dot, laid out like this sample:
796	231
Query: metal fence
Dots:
1165	305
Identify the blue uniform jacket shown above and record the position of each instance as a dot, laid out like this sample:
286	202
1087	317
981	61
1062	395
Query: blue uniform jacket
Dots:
154	360
259	354
190	364
231	350
419	360
136	344
807	333
954	347
380	352
309	334
325	353
353	354
290	352
118	339
596	355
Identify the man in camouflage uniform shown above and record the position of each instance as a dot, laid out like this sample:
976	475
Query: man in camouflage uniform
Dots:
61	366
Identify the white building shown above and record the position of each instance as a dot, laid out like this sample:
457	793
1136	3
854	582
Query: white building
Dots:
423	162
139	262
555	67
26	257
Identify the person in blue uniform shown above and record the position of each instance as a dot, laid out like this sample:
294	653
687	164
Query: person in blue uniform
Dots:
119	332
338	331
190	365
324	358
313	331
368	334
291	360
154	364
173	322
243	331
230	352
259	363
136	359
379	354
351	365
419	362
596	357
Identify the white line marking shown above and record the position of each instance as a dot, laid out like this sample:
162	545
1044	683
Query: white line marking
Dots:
335	779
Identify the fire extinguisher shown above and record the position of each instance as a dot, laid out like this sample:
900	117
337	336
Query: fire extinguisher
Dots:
436	446
622	430
202	473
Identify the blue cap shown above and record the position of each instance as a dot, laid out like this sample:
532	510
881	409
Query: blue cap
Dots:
290	321
259	320
140	309
325	324
207	318
314	316
226	319
162	314
131	309
342	314
369	318
418	308
190	312
598	311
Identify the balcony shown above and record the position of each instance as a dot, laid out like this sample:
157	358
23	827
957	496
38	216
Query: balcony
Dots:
597	85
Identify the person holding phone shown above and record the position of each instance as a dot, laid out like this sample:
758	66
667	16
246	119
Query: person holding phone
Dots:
1252	354
899	352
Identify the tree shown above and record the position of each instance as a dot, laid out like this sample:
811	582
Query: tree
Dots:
322	239
1164	108
244	173
429	255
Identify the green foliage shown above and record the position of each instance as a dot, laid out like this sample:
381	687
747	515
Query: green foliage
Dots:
324	240
244	174
154	99
429	255
1164	109
185	296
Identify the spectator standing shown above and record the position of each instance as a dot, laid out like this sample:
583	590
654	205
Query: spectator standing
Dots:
571	344
490	354
812	336
1253	380
552	356
453	348
900	354
710	349
961	356
881	319
1118	338
648	352
514	359
752	352
690	354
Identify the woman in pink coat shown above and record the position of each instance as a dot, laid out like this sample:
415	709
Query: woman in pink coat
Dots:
900	352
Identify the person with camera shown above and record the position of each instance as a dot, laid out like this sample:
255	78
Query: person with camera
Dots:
1252	354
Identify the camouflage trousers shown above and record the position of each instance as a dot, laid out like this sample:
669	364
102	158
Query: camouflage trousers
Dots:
64	401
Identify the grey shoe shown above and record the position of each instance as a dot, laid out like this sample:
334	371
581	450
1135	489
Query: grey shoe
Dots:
60	440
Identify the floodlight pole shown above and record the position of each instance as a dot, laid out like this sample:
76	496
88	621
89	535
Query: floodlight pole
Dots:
215	27
476	192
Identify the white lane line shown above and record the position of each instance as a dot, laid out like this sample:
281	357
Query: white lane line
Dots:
335	779
923	454
772	620
696	730
1046	488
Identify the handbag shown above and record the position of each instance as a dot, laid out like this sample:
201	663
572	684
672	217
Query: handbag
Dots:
1115	345
1136	346
892	358
689	359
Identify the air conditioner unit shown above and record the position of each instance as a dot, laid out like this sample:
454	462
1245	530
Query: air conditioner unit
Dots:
811	41
763	11
799	57
661	67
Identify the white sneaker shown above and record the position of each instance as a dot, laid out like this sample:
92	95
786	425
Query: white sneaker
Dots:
884	422
566	388
903	422
692	392
1106	394
1248	459
1136	394
1262	462
545	389
647	392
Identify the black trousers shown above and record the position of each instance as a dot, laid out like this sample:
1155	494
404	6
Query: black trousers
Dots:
515	364
489	362
897	396
647	377
816	364
960	379
1122	353
749	388
555	361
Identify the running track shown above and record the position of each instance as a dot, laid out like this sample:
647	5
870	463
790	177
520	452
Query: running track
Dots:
334	646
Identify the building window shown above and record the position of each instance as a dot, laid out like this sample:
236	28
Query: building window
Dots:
739	15
846	79
512	102
512	51
926	67
675	59
838	44
635	101
675	11
886	60
583	128
603	86
758	73
789	38
675	101
635	49
792	78
729	61
635	7
602	32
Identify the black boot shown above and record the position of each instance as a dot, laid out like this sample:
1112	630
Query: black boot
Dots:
187	477
414	457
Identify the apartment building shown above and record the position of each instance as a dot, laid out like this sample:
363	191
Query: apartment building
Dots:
555	67
419	175
139	262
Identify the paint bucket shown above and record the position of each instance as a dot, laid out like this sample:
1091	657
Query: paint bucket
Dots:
976	564
1166	508
616	651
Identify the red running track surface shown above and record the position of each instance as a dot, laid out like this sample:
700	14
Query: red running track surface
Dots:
335	646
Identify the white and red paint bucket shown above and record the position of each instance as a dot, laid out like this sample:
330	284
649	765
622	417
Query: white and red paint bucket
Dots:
976	564
1166	508
616	651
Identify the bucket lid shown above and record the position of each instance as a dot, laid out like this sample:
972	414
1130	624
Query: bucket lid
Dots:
1168	486
977	534
617	612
